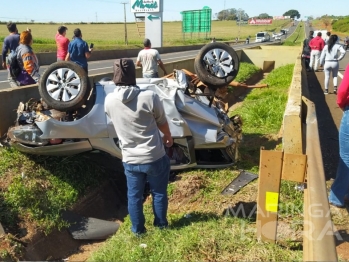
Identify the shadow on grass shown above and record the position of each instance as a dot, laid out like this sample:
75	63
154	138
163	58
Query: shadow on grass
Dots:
342	237
98	179
194	217
250	149
9	218
244	210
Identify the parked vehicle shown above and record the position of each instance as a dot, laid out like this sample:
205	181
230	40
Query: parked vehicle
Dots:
70	117
323	33
262	37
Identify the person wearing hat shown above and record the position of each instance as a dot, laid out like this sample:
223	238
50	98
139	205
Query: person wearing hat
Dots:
62	43
149	59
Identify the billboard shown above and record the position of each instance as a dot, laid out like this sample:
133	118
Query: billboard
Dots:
197	21
255	21
145	6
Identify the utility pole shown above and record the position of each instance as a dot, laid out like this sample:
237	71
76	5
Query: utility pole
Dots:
125	3
96	18
239	22
224	11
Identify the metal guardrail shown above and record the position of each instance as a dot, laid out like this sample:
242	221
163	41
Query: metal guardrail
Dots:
318	238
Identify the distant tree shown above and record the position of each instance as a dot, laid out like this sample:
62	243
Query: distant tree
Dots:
264	16
293	14
231	14
326	21
32	21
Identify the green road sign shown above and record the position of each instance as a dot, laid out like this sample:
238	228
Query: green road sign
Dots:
151	17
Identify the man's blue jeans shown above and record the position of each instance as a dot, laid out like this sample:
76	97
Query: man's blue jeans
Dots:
157	174
340	186
154	75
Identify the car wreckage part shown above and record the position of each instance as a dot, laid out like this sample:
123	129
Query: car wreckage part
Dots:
206	137
216	65
29	135
64	86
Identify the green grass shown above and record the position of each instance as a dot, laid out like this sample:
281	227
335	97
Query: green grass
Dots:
199	231
246	71
202	237
261	108
297	37
41	187
111	36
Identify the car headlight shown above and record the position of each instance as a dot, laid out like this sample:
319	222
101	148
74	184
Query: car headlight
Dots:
29	135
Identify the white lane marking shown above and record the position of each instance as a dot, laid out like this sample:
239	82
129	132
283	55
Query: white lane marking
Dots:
100	68
175	57
340	75
4	81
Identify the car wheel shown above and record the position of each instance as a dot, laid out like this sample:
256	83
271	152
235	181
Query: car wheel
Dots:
216	64
64	86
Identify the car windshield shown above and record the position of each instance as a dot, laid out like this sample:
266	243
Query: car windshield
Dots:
260	35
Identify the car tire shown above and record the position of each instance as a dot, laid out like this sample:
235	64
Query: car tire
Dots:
64	86
216	64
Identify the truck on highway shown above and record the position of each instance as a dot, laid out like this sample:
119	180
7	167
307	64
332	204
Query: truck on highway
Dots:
262	37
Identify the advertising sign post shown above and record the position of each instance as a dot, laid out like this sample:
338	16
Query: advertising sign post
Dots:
153	16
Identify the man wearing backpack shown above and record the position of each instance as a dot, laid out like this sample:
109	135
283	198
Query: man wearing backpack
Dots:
11	42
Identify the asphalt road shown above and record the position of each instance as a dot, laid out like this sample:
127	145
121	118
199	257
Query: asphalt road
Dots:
105	66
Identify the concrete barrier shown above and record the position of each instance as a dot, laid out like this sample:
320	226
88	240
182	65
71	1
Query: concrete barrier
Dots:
292	122
281	55
49	58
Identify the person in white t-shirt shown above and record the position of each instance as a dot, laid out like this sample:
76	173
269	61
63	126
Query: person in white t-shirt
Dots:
149	59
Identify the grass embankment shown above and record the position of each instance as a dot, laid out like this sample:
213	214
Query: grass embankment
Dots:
34	189
297	37
202	221
111	36
339	27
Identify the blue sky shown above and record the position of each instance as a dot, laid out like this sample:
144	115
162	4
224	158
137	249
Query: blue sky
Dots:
113	11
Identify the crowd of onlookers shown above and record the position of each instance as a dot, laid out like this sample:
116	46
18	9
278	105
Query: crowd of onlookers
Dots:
144	157
327	53
21	62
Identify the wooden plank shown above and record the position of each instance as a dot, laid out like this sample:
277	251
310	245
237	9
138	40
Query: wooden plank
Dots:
294	167
270	168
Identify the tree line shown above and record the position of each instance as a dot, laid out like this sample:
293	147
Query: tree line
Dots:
239	14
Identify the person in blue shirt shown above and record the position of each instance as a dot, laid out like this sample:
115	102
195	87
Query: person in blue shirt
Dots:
78	50
11	42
